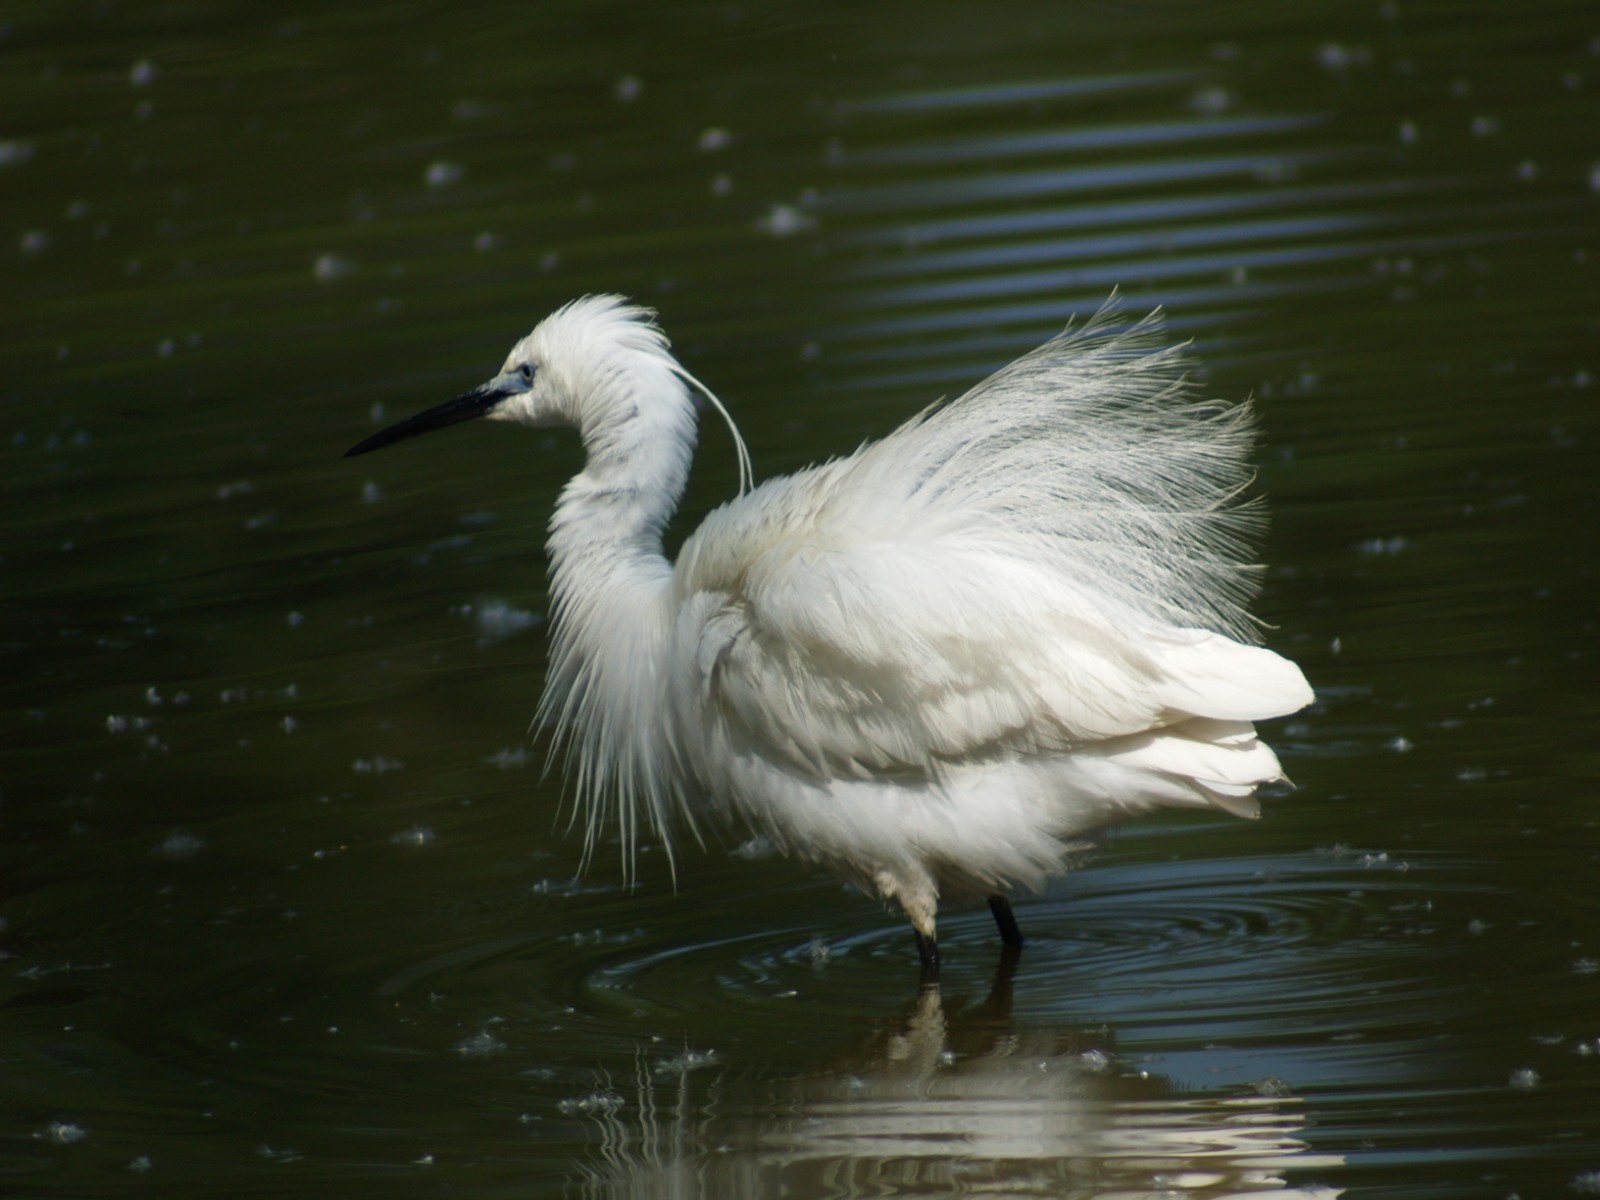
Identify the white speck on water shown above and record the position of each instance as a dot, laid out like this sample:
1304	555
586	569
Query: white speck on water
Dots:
14	152
1524	1079
288	724
295	619
378	764
509	759
818	951
601	937
143	73
1408	133
754	849
1383	547
1485	126
1401	744
482	1044
1471	775
721	184
331	267
456	541
713	139
1335	56
594	1104
689	1060
1477	927
1336	646
116	724
1527	170
573	886
371	493
549	261
152	697
33	241
1211	101
784	220
1096	1062
416	837
179	847
486	241
442	174
1586	1183
627	89
1272	1086
63	1133
241	487
278	1156
141	1165
498	620
1586	966
423	1160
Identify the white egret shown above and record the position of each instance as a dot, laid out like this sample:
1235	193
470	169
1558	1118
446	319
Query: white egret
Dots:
930	665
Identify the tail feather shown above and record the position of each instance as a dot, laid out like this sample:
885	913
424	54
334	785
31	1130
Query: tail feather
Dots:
1220	763
1213	676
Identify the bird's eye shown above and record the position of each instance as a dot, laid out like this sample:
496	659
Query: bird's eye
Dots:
526	372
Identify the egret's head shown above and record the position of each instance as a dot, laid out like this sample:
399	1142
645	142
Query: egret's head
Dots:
573	360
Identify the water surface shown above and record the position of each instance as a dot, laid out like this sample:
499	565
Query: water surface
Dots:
286	904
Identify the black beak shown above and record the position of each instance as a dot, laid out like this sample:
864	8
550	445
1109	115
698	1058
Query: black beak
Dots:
479	402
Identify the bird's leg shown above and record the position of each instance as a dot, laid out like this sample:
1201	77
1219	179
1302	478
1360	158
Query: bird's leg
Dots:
1006	920
928	951
913	889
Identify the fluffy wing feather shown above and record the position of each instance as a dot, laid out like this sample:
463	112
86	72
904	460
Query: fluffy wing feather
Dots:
1050	561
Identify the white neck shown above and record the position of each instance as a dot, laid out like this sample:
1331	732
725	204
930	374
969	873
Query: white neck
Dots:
611	594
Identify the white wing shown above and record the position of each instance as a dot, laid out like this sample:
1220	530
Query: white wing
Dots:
1044	564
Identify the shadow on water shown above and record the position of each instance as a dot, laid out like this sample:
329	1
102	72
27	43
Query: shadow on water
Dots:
1154	1036
943	1100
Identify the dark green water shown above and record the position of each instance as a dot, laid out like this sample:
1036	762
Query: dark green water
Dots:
285	905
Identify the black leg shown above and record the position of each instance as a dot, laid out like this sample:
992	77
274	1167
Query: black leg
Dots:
1006	920
928	950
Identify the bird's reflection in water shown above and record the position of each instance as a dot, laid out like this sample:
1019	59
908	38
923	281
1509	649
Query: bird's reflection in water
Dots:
955	1103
